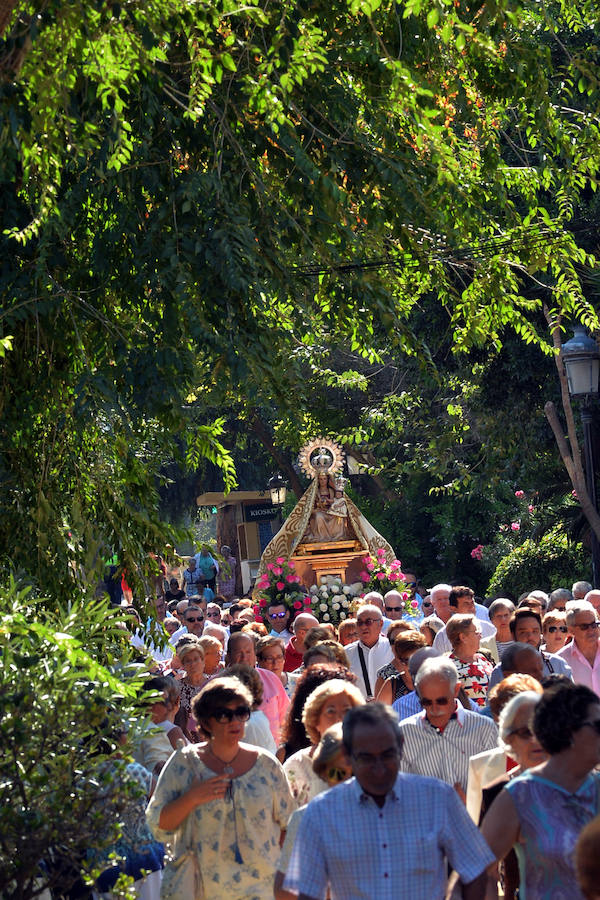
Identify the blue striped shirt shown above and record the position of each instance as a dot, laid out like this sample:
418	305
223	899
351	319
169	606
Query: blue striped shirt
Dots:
445	755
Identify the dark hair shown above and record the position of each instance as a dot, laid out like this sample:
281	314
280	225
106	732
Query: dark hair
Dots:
220	599
269	640
248	676
408	642
234	640
236	627
371	714
294	733
459	591
316	635
235	607
216	694
508	657
523	612
561	711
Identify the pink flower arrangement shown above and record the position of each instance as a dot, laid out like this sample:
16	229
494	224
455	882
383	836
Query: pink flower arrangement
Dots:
279	585
280	560
477	552
515	526
519	494
379	575
298	604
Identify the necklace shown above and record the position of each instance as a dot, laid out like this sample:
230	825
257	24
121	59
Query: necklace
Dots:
227	765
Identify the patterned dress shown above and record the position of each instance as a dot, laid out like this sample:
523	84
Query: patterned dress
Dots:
474	676
303	780
550	819
245	826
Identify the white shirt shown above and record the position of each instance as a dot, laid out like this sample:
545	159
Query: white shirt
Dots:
380	654
285	635
443	645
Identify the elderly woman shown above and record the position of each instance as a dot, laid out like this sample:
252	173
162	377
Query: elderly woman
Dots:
330	763
327	705
258	730
191	656
554	631
270	655
294	734
500	613
542	811
222	805
474	669
212	654
401	683
393	667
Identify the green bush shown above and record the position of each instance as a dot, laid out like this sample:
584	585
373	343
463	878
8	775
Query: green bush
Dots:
65	690
552	562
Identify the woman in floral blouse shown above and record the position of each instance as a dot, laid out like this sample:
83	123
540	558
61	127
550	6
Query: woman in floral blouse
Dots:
474	669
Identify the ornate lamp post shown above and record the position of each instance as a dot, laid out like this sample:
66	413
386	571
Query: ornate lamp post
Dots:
581	359
277	489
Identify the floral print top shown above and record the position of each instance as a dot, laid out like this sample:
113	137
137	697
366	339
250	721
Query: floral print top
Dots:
237	838
474	676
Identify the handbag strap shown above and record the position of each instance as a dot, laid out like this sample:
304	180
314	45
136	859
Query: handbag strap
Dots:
363	666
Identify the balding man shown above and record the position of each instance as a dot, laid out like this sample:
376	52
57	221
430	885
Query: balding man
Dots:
294	649
371	651
241	649
593	597
583	653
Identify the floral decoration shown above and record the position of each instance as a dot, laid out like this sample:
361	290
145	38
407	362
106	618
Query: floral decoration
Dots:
379	575
280	584
331	601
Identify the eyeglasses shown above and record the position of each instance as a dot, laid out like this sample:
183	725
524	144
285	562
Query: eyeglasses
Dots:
241	713
595	725
587	625
371	759
367	622
271	659
394	609
214	614
278	615
524	732
439	701
199	619
552	629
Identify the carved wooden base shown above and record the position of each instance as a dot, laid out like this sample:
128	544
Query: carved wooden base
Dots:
345	566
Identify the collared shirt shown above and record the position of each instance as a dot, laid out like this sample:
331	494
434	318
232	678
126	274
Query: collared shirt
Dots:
583	672
409	705
443	645
285	635
367	852
375	657
445	755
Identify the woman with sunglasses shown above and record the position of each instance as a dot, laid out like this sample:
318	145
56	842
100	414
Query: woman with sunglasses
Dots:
542	811
224	800
554	631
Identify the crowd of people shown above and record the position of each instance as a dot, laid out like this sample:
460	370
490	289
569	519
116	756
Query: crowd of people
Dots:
454	752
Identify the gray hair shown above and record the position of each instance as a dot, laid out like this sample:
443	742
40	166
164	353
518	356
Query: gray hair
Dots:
440	667
558	595
578	606
439	587
371	609
581	587
459	624
500	603
509	714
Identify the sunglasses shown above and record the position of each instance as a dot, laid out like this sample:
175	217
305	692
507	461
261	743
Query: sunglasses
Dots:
214	614
278	615
439	701
587	625
410	584
394	609
552	629
336	775
367	622
194	619
595	725
524	732
241	713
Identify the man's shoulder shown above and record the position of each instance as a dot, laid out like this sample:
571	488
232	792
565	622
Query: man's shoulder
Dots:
423	788
565	652
412	722
351	649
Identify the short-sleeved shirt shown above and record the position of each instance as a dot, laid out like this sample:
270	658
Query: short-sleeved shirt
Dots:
367	852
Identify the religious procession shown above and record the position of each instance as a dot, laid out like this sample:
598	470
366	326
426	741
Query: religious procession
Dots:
345	732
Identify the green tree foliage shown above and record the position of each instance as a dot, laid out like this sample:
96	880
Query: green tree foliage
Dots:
60	708
201	202
552	562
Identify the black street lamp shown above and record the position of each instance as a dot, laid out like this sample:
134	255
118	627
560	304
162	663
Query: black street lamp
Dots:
277	489
581	359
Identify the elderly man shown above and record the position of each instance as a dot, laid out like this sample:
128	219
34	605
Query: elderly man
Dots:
439	740
241	649
593	597
393	605
583	654
580	589
558	599
371	651
294	649
462	600
349	840
409	704
193	619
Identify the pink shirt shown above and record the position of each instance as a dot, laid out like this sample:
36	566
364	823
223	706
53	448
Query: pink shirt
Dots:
583	673
275	702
